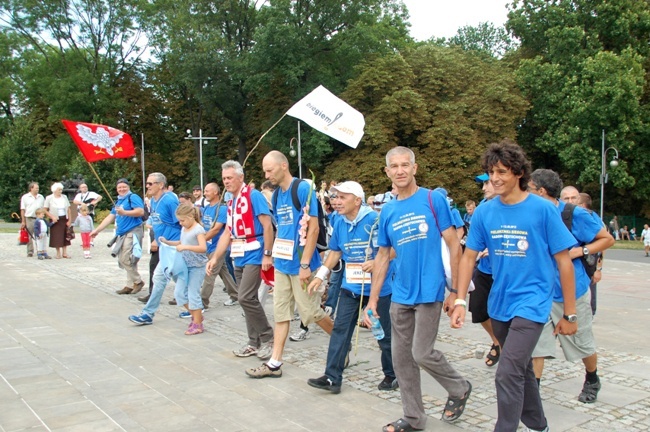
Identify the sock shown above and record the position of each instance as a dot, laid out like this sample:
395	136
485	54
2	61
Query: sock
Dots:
274	364
592	377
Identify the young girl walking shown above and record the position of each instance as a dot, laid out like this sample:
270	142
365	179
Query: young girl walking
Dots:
192	246
85	223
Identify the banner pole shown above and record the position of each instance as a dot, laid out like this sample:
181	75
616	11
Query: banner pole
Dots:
260	140
100	182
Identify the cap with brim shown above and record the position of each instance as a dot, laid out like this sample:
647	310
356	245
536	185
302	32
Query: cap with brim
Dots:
482	177
350	187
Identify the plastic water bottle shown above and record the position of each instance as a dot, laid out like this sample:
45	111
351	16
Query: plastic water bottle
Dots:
376	328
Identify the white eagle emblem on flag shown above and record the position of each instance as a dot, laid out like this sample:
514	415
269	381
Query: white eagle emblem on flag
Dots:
100	138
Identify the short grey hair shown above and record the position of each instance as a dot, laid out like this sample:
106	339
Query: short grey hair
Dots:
234	165
160	177
400	150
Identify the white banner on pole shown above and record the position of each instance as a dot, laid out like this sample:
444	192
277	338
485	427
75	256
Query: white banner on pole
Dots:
330	115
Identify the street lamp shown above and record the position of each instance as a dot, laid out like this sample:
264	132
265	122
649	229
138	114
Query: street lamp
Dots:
292	152
201	139
603	171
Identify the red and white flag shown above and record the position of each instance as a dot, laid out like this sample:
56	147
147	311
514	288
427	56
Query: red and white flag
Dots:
97	142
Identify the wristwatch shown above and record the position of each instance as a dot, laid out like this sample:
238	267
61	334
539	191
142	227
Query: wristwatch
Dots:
304	266
267	252
571	318
585	251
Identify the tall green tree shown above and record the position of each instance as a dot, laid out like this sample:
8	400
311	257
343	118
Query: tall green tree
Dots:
584	67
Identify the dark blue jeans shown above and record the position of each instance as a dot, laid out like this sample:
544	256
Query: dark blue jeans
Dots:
334	288
344	326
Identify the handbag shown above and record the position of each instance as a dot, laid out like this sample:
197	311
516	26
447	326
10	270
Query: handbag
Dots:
69	234
23	236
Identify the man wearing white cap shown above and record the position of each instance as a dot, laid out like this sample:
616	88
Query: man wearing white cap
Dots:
352	241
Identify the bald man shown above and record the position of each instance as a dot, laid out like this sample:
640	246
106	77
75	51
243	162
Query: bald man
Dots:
570	195
295	259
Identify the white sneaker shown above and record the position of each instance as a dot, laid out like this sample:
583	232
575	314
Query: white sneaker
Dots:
230	302
300	336
328	310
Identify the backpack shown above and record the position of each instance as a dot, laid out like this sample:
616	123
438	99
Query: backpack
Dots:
321	242
589	262
145	216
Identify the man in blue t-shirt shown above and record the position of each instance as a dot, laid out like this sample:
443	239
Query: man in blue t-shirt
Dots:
295	258
413	225
527	243
249	234
164	224
213	217
127	215
591	238
351	242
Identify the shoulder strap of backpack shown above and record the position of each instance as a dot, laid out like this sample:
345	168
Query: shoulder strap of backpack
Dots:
567	215
294	194
434	212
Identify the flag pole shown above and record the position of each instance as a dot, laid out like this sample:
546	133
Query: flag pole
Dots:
260	140
100	182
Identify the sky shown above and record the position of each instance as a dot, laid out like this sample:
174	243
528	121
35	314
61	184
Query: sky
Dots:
442	18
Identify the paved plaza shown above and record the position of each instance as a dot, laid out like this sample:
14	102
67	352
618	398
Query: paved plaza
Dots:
71	361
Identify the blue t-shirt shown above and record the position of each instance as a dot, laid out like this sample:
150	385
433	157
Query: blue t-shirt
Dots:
458	220
288	220
409	227
352	242
163	217
522	239
260	207
484	265
584	228
209	214
124	223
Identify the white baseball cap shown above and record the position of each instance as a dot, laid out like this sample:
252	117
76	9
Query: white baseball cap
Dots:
350	187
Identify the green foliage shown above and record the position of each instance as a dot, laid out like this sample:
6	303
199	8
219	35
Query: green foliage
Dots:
485	38
21	162
444	103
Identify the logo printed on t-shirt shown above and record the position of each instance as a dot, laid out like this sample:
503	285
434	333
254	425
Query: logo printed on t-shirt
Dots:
423	227
522	245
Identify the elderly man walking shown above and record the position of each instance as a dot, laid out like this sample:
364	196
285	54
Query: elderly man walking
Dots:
249	233
29	203
165	224
127	213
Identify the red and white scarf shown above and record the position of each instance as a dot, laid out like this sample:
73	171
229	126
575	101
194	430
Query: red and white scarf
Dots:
241	219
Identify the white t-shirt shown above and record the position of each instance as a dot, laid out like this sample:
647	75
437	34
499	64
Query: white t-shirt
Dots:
84	197
645	235
31	203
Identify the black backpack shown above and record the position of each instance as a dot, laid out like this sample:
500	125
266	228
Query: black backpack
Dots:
321	242
145	216
589	262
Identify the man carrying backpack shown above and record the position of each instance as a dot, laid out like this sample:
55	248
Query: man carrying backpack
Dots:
127	213
295	259
591	237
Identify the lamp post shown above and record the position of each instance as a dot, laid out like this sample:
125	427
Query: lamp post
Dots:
292	152
603	171
201	139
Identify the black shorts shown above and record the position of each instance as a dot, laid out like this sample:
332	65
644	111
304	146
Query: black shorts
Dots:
478	299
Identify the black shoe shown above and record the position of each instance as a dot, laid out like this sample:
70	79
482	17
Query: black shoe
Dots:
589	392
388	384
172	302
144	299
324	383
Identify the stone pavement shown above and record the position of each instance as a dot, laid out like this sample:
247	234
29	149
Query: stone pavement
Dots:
71	361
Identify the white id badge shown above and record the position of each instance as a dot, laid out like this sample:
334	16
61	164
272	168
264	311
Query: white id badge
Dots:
283	249
237	248
355	275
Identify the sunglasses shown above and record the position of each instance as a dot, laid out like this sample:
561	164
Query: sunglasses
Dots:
149	183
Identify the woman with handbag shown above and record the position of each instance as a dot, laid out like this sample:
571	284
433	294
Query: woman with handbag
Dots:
58	210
